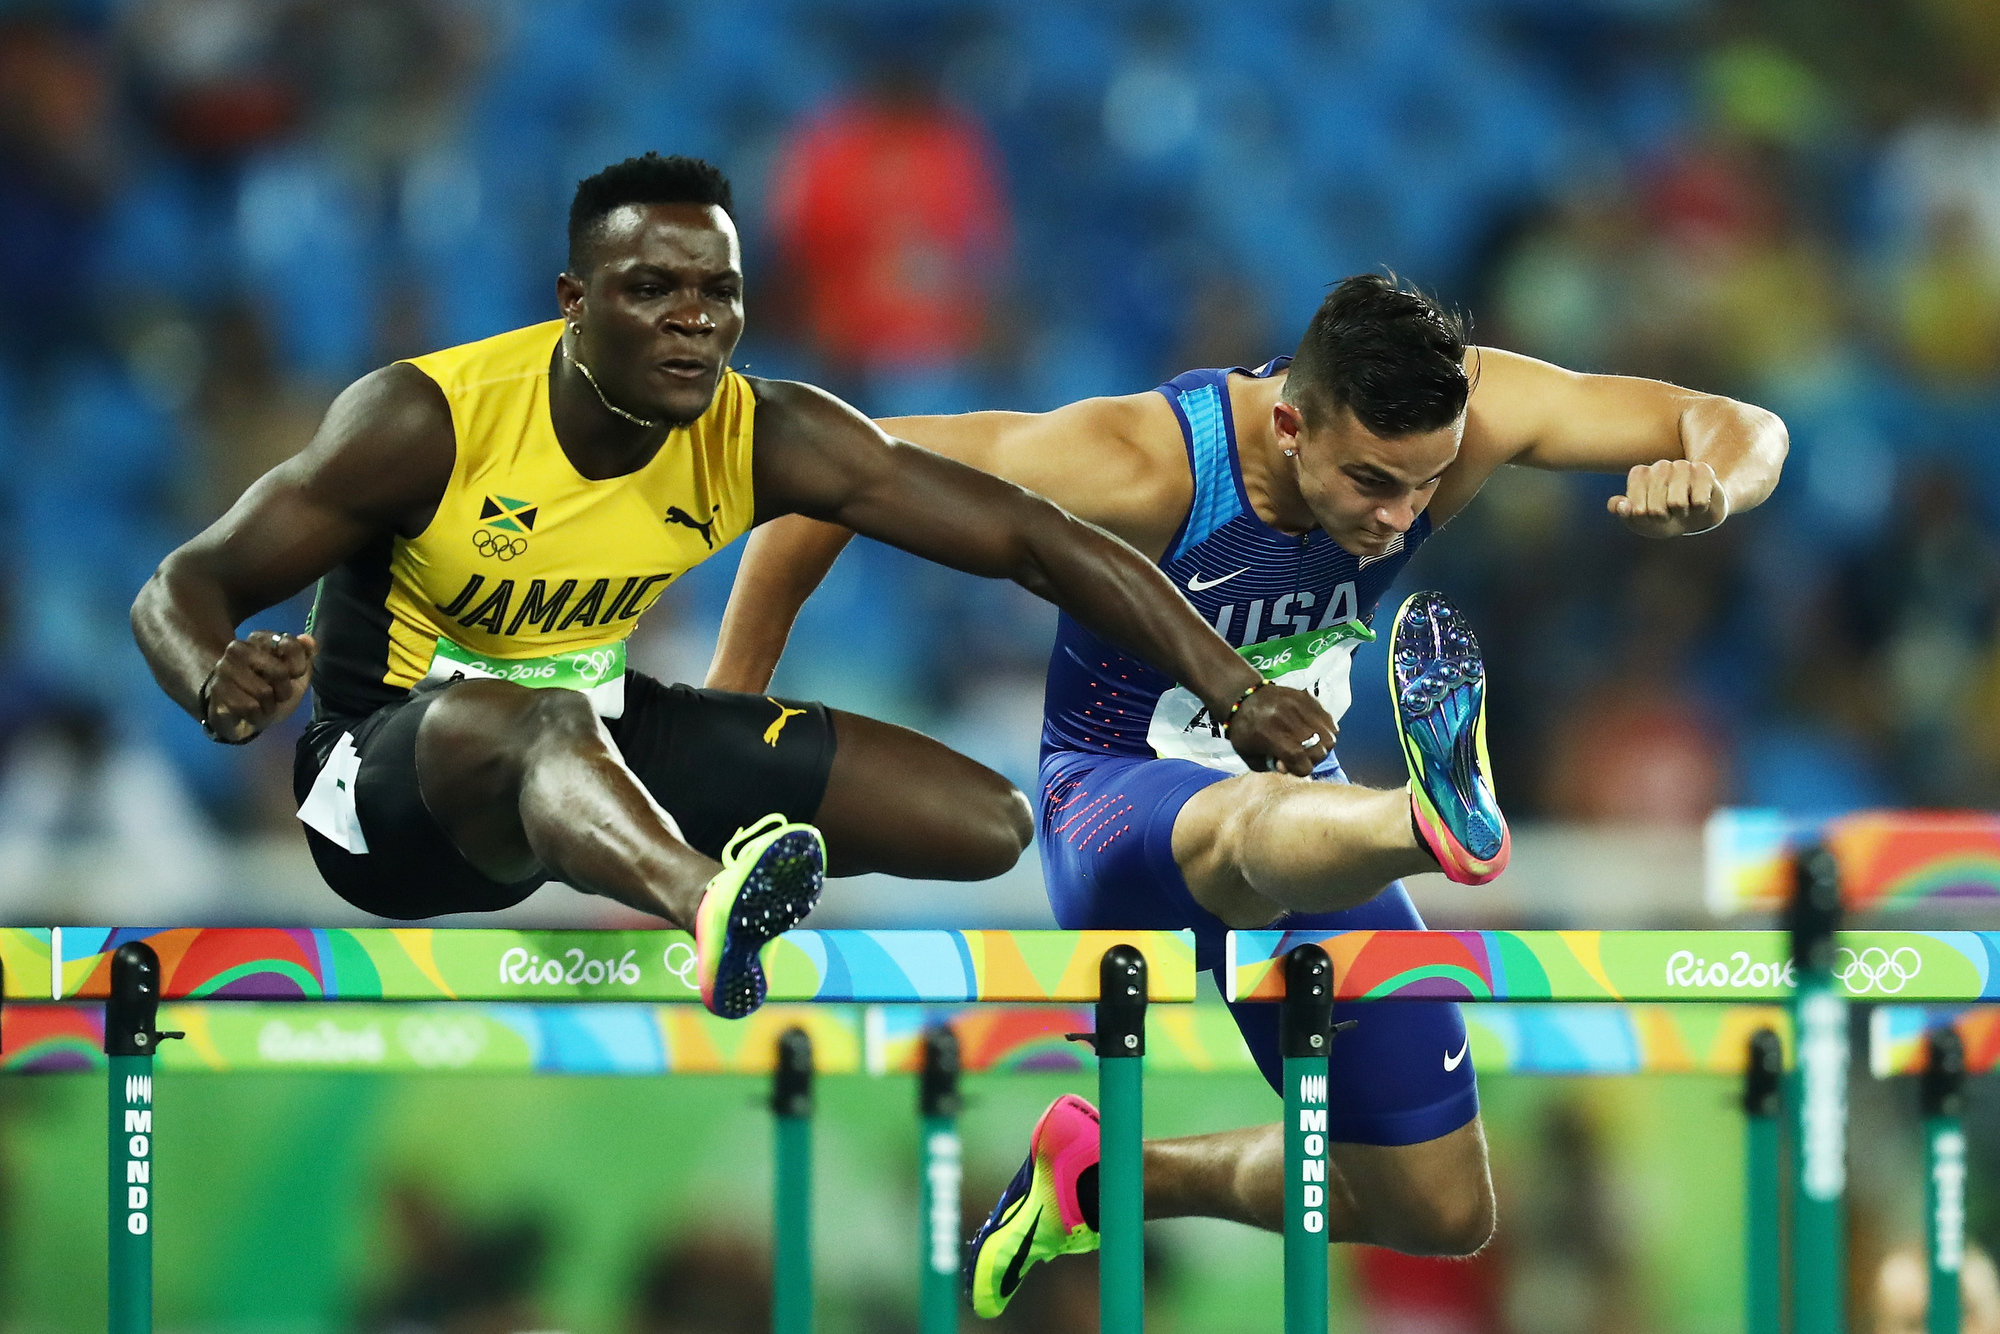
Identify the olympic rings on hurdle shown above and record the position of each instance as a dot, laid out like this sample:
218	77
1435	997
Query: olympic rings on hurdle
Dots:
1877	969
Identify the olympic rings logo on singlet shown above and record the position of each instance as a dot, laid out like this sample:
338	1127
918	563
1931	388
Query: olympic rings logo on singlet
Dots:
498	545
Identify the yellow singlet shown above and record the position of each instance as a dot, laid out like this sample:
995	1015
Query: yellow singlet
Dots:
529	571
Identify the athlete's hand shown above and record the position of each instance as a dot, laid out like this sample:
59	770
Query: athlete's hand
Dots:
1283	729
1671	498
257	681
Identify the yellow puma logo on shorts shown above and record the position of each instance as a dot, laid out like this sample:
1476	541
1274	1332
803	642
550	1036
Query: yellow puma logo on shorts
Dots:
785	715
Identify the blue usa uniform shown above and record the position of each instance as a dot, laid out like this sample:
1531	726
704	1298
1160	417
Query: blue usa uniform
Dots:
1124	748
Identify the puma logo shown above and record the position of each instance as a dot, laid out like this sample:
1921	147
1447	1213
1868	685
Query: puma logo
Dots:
677	515
785	715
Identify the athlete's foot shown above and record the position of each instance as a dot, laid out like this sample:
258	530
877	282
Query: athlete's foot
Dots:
770	879
1439	682
1049	1209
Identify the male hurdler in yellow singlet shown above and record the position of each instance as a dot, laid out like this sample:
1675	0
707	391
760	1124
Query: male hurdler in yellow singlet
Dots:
486	525
531	573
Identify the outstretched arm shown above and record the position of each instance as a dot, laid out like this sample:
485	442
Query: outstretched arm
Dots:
1087	457
1690	459
783	562
816	456
379	463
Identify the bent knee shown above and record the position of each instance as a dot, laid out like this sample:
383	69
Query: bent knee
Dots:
1451	1225
999	830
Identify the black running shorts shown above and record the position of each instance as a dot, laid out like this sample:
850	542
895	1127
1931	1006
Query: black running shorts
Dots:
714	759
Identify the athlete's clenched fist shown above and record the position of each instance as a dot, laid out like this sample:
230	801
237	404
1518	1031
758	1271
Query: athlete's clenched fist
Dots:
255	682
1671	498
1277	727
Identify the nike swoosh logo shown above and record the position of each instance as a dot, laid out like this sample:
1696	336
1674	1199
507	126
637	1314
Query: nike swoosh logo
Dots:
1453	1062
1196	585
1011	1279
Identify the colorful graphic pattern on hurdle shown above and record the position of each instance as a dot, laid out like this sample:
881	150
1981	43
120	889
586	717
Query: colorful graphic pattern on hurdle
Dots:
441	964
586	1039
1552	1039
1896	1038
1618	965
1887	858
24	961
594	1039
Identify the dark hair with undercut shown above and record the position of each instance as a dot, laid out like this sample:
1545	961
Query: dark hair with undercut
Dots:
650	179
1393	357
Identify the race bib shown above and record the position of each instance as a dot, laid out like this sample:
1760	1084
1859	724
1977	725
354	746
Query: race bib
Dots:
1316	662
597	672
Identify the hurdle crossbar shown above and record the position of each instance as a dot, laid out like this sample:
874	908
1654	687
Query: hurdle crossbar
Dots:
1718	966
413	964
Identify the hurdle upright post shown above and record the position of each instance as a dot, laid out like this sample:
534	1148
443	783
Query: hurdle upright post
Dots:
938	1103
791	1195
1121	1184
1943	1098
129	1043
1305	1034
1818	1103
1763	1226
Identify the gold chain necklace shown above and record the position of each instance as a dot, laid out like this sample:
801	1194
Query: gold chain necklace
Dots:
609	406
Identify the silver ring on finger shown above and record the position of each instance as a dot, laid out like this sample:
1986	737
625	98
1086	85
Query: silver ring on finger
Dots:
1312	740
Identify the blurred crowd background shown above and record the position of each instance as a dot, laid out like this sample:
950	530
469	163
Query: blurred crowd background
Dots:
216	213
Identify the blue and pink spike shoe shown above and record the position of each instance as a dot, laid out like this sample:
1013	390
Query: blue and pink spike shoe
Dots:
1042	1212
1439	684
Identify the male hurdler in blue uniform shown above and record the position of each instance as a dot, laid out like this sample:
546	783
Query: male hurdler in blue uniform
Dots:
1283	501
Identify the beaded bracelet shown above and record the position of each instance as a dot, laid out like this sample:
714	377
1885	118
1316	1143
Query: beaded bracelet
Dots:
1241	700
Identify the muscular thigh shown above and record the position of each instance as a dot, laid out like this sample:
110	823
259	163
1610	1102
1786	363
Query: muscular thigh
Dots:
717	760
897	801
1205	838
886	798
1430	1198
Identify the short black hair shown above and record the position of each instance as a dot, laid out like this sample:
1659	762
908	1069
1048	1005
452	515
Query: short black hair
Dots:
650	179
1394	357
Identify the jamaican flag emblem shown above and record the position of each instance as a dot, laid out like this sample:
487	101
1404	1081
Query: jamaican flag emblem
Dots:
504	525
508	514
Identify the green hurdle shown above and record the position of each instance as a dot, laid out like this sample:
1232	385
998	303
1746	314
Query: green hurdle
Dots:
1817	1105
132	971
129	1042
941	1170
1305	1032
1764	1286
791	1194
1943	1100
1121	1183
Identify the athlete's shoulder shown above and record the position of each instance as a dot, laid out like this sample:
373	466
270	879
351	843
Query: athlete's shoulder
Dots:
386	445
510	356
397	405
785	407
1117	461
1135	422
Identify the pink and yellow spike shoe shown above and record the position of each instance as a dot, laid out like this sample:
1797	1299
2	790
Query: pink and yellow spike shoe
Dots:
771	876
1041	1213
1439	684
